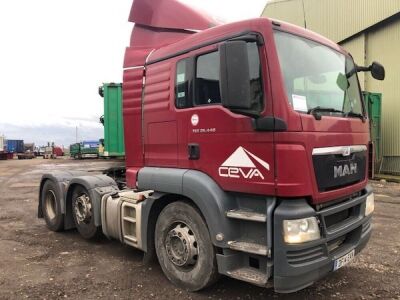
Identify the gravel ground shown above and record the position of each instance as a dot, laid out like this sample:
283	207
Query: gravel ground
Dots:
36	263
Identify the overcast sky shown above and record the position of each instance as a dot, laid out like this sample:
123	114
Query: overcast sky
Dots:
55	53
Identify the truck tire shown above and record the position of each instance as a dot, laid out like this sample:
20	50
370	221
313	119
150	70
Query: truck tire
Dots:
51	206
82	211
184	248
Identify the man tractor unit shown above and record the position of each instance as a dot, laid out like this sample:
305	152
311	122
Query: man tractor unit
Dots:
246	151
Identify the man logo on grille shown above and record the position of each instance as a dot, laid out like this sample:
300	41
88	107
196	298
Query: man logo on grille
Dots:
344	170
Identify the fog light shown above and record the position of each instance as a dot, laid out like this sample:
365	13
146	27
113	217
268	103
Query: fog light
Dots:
301	230
370	204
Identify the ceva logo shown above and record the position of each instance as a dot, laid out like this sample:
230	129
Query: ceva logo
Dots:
240	165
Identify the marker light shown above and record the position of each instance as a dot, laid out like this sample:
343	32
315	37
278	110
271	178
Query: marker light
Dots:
370	204
301	230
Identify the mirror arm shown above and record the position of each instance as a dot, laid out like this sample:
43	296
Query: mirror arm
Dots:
357	69
363	69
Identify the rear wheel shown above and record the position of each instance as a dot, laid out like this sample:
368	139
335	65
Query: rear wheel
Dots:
82	211
184	248
50	200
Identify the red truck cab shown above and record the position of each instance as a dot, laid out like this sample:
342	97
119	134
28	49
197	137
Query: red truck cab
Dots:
247	143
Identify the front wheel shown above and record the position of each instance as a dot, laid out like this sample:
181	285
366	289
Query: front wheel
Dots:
82	211
184	248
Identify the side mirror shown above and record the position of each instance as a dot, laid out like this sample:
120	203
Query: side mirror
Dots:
101	91
235	77
377	71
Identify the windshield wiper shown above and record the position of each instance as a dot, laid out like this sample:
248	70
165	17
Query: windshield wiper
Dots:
314	111
355	115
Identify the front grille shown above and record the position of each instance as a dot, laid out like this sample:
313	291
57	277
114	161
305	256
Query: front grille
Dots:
336	218
366	227
335	244
333	171
309	255
328	204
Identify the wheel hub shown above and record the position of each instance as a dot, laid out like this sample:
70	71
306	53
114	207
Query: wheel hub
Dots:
181	246
83	209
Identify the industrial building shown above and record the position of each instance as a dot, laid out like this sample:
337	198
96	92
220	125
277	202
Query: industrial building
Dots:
370	31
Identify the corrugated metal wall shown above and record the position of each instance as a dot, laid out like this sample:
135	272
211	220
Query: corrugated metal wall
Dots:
288	10
335	19
383	45
350	22
339	19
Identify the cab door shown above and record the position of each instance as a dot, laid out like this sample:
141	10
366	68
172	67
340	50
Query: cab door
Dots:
214	140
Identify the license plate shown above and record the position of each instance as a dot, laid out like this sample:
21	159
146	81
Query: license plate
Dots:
344	260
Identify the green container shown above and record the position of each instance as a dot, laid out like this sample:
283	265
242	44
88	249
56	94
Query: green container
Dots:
114	145
373	103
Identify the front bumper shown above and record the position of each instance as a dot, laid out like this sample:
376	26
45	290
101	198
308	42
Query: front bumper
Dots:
343	228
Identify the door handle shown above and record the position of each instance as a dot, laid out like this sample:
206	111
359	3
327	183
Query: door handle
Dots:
193	151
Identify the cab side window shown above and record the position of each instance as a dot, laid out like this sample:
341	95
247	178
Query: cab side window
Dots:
198	78
255	74
207	79
182	94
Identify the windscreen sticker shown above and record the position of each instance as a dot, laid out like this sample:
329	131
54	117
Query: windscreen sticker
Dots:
299	103
180	78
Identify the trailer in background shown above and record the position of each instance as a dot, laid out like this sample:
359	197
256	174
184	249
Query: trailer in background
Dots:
113	144
15	146
26	155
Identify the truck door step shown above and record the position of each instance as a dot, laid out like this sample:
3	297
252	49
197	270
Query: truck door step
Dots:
249	247
246	215
129	219
130	238
249	275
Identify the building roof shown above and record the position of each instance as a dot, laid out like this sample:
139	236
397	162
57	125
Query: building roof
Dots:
335	19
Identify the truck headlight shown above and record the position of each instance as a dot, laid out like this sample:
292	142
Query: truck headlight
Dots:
370	204
301	230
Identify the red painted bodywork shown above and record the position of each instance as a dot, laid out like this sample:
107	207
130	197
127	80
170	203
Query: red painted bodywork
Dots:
58	151
161	138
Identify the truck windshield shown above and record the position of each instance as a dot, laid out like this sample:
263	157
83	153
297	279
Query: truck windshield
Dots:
317	77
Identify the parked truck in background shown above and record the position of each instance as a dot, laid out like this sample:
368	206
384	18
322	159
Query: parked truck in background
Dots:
49	152
246	153
58	151
29	152
85	149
